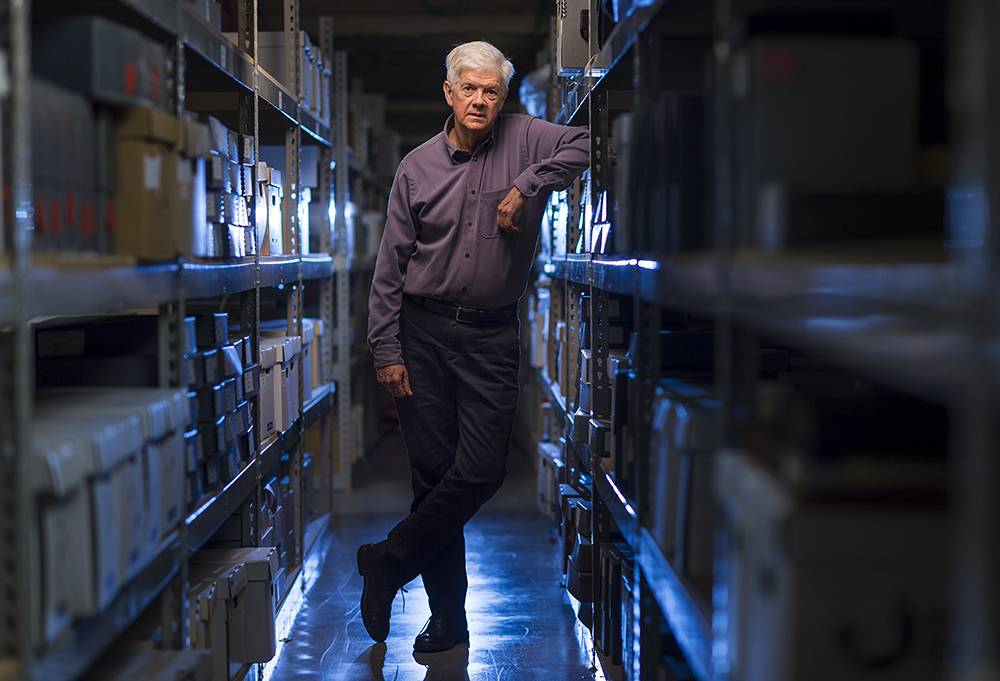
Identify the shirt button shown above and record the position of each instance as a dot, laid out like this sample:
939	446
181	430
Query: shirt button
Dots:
473	191
469	224
464	289
466	255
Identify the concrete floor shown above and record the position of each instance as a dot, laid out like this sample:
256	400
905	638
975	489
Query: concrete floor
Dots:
520	625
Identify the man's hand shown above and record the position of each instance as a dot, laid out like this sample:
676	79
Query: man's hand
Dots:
395	379
509	211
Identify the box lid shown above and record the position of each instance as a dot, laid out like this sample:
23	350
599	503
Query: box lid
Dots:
269	352
233	361
197	141
140	122
308	331
111	438
161	412
59	466
291	347
229	580
318	326
261	564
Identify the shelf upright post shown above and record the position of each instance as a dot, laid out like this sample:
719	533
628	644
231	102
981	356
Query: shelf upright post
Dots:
326	286
249	124
974	636
173	601
293	235
18	584
343	271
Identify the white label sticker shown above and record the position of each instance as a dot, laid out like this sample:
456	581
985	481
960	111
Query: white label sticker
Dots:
151	166
222	55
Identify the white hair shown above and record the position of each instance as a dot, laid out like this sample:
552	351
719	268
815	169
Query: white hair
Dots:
478	54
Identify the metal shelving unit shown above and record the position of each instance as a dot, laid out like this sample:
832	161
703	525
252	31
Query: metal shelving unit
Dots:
30	291
912	314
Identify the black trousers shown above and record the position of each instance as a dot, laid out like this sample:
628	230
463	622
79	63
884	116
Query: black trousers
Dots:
457	430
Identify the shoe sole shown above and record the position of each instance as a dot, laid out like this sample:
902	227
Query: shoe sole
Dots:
376	636
417	648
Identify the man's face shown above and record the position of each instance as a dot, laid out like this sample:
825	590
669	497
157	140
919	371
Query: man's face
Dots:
476	98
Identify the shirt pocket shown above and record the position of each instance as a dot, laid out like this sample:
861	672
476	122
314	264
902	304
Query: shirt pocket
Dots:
487	218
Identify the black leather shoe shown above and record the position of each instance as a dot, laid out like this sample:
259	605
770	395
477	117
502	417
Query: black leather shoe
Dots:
442	632
376	597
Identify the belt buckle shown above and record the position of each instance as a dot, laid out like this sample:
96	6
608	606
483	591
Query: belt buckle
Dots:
458	315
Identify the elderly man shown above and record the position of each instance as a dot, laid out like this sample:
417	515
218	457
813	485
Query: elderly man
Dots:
462	226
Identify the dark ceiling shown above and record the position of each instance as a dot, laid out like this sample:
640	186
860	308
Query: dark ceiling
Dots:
397	48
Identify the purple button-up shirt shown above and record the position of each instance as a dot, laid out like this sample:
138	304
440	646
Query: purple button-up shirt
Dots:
441	238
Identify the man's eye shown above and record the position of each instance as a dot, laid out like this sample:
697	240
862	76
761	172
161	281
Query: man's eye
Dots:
467	89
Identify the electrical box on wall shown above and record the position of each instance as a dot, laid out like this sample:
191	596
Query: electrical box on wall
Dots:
572	36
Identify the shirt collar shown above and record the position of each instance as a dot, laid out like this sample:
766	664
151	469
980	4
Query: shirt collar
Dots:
461	155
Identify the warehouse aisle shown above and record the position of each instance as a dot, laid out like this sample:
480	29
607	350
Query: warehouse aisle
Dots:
520	625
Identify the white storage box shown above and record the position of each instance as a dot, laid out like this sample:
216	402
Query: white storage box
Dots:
828	591
221	626
110	447
255	641
288	351
269	370
316	354
665	462
60	470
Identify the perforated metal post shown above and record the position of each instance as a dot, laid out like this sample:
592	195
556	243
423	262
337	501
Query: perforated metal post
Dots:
18	583
343	266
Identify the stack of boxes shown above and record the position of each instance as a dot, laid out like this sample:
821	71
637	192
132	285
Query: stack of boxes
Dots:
550	475
159	199
269	195
111	64
316	69
225	419
107	475
278	520
207	11
280	403
230	188
235	595
580	562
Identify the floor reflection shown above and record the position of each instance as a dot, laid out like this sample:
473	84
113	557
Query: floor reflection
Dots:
519	625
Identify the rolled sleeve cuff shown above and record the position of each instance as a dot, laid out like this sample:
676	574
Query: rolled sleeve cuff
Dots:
528	183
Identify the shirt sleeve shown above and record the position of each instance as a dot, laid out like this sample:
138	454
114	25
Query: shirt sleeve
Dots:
398	244
557	154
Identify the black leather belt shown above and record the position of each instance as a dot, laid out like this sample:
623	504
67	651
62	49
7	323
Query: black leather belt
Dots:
467	315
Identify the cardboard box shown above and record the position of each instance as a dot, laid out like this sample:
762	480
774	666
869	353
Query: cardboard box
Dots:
225	624
315	365
207	624
212	329
255	640
824	590
269	372
160	202
110	62
105	449
274	244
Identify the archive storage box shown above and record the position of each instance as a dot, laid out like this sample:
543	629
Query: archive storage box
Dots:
828	590
102	59
251	620
215	620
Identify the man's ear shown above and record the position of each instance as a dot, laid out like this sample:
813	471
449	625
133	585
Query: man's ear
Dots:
448	94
